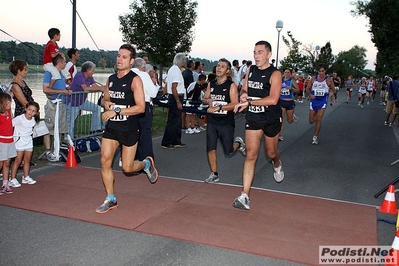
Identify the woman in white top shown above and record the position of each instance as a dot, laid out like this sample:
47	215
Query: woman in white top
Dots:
362	91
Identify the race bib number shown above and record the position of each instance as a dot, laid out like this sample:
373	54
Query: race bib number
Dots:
285	92
119	118
319	92
256	108
217	104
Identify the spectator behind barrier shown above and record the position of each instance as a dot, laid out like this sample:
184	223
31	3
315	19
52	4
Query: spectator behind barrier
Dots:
83	81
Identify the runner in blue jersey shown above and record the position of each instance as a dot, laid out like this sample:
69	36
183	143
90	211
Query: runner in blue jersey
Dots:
318	91
287	103
349	84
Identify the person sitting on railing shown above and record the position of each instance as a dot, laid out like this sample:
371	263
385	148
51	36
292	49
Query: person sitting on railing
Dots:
56	95
84	82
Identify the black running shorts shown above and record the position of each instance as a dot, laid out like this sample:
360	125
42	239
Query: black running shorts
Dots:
127	139
223	132
270	129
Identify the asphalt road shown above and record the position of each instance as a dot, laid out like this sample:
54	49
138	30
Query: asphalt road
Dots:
352	162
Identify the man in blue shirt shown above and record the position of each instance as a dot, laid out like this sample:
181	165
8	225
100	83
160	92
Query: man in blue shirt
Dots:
56	95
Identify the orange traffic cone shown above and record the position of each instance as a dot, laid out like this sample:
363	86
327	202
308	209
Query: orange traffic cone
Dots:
389	204
393	258
71	160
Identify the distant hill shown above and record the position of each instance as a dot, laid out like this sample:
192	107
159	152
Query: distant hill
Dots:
32	53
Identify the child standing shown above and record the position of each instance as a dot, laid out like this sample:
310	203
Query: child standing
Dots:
7	147
23	130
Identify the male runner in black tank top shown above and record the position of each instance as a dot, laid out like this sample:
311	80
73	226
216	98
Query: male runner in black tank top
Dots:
337	84
221	96
261	94
123	102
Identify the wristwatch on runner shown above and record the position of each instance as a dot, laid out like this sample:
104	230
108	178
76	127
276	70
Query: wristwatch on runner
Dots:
117	110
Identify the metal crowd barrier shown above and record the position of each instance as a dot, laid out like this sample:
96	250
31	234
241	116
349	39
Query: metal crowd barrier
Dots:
82	109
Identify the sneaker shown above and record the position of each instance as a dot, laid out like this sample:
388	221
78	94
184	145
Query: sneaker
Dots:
120	161
107	205
361	106
280	138
242	202
28	180
296	119
278	173
202	128
359	103
242	148
13	183
315	141
189	131
1	176
181	145
6	189
368	102
169	147
390	124
213	178
196	130
51	157
385	123
151	172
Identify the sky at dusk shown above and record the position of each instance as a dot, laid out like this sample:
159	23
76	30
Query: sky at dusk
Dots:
223	29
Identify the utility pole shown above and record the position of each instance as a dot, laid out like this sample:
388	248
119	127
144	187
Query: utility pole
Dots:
74	24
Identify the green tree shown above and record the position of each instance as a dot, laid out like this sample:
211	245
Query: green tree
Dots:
383	27
351	62
294	59
325	56
102	63
160	28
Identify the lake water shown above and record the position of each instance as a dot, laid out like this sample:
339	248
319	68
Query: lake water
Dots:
35	81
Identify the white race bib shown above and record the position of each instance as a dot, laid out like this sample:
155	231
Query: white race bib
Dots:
119	118
218	103
256	108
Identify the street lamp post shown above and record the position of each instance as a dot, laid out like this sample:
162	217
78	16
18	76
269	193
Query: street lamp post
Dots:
316	53
279	27
317	49
343	68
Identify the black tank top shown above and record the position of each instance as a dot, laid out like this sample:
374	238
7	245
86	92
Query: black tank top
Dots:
121	94
336	81
27	92
259	87
220	93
